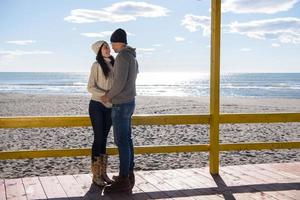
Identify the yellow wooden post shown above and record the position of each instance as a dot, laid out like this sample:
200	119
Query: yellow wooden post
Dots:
215	86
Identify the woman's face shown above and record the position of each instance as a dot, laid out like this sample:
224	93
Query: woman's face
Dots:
105	50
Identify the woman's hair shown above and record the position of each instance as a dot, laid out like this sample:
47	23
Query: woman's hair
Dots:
103	64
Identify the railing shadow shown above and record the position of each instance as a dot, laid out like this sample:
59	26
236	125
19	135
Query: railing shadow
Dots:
227	192
223	188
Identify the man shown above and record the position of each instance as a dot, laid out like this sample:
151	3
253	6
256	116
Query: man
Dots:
122	95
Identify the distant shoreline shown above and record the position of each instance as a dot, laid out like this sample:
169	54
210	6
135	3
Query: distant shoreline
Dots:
185	84
279	72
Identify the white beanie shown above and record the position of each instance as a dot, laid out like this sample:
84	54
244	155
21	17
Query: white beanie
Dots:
96	46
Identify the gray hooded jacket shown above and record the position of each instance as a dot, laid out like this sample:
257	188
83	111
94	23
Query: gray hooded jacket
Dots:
123	89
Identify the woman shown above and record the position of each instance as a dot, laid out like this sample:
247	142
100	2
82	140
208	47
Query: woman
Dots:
100	82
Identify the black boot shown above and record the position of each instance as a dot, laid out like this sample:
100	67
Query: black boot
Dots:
131	178
121	185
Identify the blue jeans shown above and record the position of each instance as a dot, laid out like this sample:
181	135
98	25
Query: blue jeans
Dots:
121	120
101	122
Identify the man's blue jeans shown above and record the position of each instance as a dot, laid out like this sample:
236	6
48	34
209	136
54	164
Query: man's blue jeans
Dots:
121	119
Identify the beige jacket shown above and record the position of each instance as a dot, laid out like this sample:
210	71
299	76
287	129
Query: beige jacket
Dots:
98	85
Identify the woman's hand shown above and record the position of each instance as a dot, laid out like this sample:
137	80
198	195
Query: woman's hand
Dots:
105	99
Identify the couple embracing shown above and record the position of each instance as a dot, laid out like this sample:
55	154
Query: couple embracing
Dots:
113	89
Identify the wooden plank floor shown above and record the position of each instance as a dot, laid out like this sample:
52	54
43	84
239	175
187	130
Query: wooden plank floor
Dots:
259	181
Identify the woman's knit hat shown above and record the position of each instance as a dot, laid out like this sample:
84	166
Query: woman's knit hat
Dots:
96	46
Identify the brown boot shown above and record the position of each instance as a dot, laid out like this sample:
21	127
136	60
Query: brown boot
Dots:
96	170
131	178
121	185
103	159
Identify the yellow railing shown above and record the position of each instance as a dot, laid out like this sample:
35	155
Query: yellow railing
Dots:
172	119
213	119
79	121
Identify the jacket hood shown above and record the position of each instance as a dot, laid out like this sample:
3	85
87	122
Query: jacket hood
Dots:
130	50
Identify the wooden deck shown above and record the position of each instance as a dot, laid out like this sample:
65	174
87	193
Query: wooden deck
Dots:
259	181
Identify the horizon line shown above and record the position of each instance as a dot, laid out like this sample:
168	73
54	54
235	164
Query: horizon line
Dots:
206	72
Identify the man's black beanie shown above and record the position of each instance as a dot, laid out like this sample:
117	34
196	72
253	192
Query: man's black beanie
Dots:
119	36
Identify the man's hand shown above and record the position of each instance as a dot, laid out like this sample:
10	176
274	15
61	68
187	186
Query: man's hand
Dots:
105	99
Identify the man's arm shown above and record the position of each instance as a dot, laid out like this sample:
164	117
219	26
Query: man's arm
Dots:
120	76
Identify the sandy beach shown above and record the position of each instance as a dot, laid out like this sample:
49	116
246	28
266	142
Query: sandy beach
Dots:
59	105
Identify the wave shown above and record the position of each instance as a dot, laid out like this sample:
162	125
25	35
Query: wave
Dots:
46	84
268	85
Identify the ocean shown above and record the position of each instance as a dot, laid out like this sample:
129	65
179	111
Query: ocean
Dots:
261	85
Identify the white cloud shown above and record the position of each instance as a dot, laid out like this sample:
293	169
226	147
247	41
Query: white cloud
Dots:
130	34
138	9
103	34
257	6
21	53
145	51
284	30
179	39
157	45
100	34
117	12
275	45
8	56
194	23
246	49
21	42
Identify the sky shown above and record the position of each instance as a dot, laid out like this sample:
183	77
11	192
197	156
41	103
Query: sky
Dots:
170	36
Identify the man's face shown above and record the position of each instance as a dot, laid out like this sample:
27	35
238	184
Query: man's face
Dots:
117	46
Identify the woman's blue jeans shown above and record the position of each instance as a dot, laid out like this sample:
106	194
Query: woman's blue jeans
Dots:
121	119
